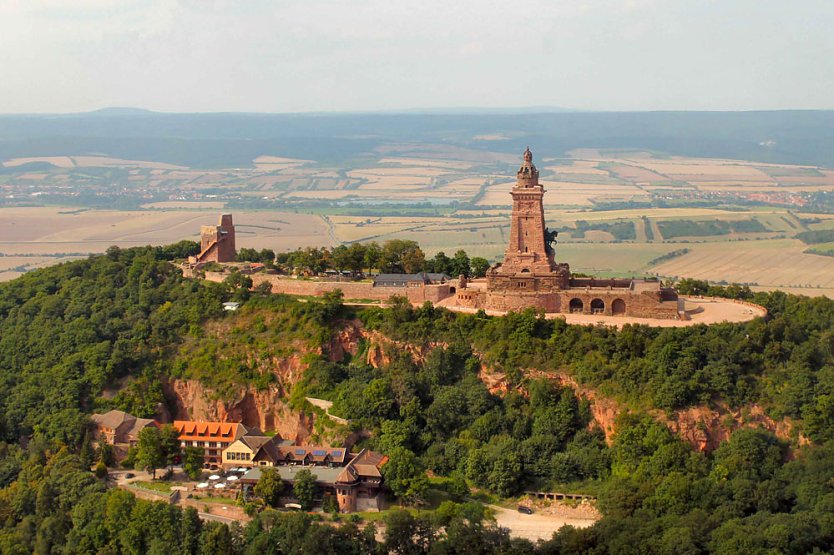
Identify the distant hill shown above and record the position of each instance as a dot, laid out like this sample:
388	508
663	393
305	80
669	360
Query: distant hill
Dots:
120	111
234	139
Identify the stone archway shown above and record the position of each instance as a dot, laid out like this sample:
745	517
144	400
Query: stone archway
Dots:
597	306
576	305
618	307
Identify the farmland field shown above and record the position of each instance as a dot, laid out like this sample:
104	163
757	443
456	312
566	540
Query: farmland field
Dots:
772	263
61	231
618	212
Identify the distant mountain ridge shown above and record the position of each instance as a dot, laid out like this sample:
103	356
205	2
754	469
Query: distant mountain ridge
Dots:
219	140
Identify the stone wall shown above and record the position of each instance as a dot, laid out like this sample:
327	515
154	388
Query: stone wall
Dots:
629	303
521	282
517	301
417	294
602	301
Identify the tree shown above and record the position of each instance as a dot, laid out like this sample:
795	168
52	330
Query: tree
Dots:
357	254
479	266
215	539
373	255
330	504
461	265
101	470
190	528
269	487
192	461
400	256
457	486
87	454
169	442
238	284
441	263
247	255
104	453
406	534
149	453
506	475
263	289
404	475
340	258
414	261
304	488
267	256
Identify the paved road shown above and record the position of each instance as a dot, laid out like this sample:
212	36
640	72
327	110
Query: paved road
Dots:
536	526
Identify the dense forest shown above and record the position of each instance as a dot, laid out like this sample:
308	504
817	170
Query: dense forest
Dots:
121	321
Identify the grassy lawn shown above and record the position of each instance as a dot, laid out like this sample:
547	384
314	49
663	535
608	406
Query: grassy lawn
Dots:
213	499
162	487
371	516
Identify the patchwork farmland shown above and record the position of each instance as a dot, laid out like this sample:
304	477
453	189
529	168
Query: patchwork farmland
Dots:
617	212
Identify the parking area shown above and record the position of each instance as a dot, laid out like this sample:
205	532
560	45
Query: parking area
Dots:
537	526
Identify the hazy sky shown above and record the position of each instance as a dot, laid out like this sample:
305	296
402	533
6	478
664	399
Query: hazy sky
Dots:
324	55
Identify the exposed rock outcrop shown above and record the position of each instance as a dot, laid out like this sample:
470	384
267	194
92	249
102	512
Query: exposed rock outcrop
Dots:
705	428
266	410
346	341
381	347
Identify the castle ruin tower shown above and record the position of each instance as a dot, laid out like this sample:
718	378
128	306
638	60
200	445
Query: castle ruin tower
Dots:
527	250
217	242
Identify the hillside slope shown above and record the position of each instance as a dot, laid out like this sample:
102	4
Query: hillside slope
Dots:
502	404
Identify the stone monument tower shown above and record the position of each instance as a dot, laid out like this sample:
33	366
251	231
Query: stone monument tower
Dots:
527	250
530	277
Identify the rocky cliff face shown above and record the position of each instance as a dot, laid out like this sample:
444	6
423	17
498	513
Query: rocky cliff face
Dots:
706	427
346	341
266	410
702	427
380	349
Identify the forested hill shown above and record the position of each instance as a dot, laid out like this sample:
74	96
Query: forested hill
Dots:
126	318
69	330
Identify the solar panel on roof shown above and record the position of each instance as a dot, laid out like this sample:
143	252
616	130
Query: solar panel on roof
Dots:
300	451
319	453
337	453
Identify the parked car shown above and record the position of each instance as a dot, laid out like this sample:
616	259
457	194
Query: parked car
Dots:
524	509
130	475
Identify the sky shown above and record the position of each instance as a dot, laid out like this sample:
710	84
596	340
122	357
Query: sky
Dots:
366	55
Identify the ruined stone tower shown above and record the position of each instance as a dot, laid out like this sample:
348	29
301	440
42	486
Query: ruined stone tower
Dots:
217	243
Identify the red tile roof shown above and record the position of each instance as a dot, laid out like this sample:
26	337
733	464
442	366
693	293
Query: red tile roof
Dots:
210	431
